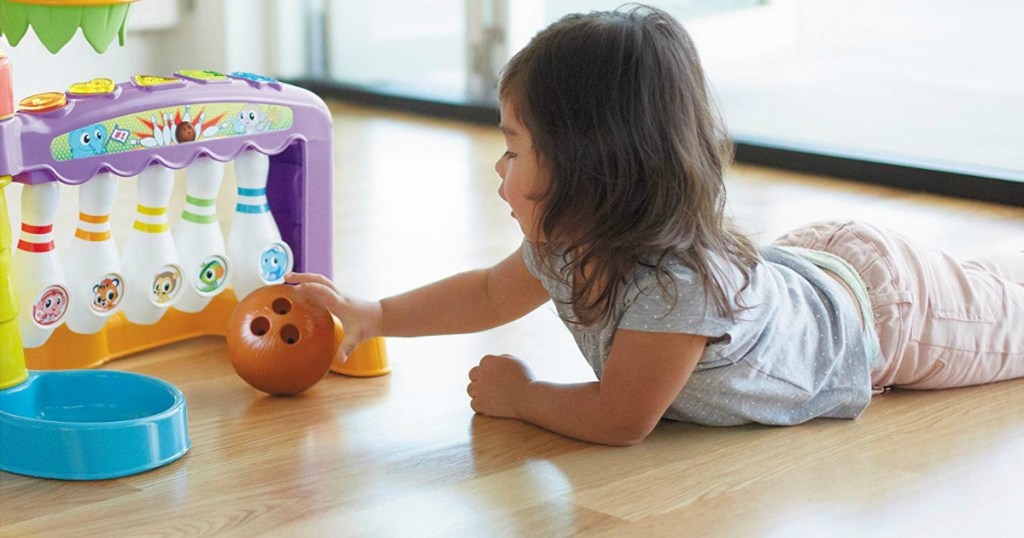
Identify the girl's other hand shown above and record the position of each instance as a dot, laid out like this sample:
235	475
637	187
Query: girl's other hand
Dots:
362	319
497	384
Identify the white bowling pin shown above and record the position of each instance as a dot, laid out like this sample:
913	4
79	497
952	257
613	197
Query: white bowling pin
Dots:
187	118
38	273
209	131
257	253
96	283
198	239
169	136
158	131
150	260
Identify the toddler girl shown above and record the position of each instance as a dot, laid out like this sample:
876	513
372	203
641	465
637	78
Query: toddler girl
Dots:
613	171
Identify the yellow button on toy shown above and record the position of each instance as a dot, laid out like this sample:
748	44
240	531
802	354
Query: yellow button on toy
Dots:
95	86
152	80
202	74
43	102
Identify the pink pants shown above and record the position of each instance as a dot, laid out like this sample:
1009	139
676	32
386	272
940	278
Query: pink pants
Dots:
941	323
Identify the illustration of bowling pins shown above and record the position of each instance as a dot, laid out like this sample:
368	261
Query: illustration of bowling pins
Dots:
97	283
198	239
42	288
150	259
257	253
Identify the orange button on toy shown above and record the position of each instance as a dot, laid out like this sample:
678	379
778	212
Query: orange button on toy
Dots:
95	86
43	102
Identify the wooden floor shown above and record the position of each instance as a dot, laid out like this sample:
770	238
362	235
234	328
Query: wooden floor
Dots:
403	455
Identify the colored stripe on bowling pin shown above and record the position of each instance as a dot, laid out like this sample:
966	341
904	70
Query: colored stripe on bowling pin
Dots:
28	243
193	208
159	226
102	231
260	206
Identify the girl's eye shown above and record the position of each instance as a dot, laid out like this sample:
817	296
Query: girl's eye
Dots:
508	155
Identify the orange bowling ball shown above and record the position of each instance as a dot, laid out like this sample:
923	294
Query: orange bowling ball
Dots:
282	343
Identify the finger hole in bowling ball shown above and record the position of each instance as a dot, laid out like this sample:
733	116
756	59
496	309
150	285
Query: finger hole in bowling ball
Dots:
290	334
260	326
282	306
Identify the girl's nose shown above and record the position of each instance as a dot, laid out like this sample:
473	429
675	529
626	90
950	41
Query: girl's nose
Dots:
499	167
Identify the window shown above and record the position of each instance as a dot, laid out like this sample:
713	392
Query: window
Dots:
923	86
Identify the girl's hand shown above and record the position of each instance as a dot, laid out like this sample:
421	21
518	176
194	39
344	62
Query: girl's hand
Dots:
497	384
361	319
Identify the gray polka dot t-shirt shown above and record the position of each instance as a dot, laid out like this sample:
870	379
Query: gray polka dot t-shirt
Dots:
797	352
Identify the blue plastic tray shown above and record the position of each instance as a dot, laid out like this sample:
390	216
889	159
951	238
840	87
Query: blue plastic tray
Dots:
90	424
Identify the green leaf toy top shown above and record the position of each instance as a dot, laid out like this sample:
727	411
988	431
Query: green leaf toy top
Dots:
56	21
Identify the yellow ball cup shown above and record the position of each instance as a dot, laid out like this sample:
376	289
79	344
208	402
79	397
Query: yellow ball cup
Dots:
12	355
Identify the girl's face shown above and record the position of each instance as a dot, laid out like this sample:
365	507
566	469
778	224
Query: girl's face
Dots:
523	179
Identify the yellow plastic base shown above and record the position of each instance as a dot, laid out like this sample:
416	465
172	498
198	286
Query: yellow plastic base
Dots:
119	338
370	359
12	358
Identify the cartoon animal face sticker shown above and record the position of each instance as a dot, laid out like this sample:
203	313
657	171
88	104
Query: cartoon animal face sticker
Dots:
166	285
249	120
106	295
88	141
49	309
250	116
213	273
275	261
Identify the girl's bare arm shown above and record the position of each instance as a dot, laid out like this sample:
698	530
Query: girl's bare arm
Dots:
643	375
466	302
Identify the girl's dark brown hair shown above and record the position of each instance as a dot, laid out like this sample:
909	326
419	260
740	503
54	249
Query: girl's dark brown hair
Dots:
621	118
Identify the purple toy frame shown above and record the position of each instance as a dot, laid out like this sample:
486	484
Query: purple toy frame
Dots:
299	183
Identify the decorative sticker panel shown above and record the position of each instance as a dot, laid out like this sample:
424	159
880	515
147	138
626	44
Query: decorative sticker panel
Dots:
170	125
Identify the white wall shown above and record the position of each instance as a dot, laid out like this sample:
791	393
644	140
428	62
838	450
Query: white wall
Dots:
371	42
36	70
261	36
